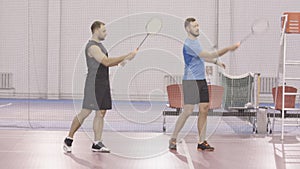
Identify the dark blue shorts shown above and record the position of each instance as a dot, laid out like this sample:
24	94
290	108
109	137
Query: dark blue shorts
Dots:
195	91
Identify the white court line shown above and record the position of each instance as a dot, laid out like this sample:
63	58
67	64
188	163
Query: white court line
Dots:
8	104
187	154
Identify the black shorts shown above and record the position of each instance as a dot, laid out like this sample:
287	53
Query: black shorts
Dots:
97	95
195	91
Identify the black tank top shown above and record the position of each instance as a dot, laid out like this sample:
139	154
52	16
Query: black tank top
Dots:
96	70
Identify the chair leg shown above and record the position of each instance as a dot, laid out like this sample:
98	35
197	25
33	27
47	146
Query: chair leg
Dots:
178	110
164	124
269	129
164	121
298	121
273	124
254	125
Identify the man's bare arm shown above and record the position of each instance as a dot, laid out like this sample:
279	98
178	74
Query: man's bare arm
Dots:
95	52
219	53
215	61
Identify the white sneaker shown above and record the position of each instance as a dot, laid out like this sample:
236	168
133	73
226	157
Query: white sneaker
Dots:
172	144
68	145
100	147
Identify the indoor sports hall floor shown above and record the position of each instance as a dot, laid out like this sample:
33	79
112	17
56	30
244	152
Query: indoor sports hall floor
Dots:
34	141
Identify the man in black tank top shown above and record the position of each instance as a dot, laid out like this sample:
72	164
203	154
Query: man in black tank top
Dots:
97	88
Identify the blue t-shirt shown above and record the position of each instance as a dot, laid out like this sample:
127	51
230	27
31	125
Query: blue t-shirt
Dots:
194	65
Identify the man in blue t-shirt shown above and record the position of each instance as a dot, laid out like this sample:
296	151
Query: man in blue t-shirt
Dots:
195	88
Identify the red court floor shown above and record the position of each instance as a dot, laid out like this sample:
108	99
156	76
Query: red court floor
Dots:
41	149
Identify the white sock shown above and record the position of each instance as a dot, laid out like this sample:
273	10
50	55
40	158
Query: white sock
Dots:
96	142
69	138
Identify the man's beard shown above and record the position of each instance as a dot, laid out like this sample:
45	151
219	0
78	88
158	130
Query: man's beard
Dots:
195	35
101	38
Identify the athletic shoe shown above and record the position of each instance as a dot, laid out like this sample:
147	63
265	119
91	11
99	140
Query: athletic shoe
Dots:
68	145
100	147
205	146
172	144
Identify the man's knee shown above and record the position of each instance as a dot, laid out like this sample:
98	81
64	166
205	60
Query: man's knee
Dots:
188	110
100	113
203	107
83	114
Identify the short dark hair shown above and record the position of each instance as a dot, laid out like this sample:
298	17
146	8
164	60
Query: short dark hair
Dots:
96	25
188	21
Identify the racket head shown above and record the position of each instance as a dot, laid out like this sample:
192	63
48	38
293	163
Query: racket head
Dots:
153	26
260	26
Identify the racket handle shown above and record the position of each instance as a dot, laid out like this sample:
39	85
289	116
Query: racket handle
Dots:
143	40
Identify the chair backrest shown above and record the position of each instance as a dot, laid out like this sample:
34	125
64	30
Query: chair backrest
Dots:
175	95
289	101
215	96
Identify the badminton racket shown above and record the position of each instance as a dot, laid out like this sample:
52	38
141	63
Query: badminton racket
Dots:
153	26
258	27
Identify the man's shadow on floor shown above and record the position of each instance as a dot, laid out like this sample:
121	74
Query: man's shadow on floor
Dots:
83	162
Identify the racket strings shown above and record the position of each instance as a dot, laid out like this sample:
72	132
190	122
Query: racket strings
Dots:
260	27
153	26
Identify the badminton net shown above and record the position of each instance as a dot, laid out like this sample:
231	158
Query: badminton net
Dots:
240	92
